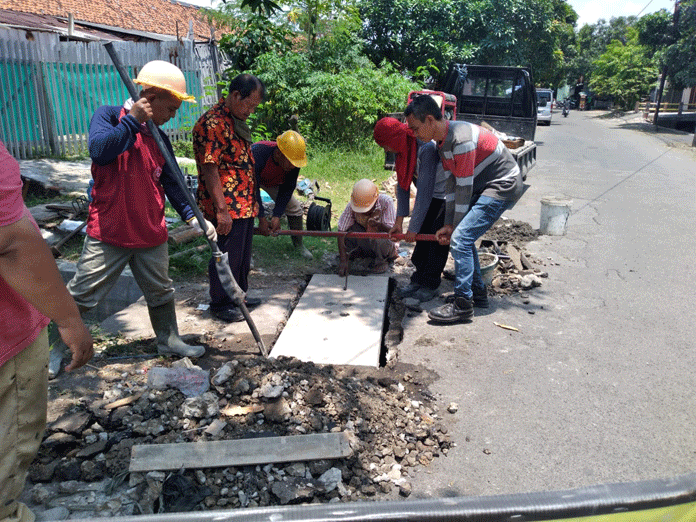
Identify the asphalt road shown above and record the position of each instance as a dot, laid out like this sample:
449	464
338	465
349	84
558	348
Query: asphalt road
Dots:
598	384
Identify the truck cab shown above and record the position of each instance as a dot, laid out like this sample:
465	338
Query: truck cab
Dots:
493	96
503	97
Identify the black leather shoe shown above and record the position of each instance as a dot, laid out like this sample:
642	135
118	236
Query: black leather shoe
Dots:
480	299
461	309
228	315
251	302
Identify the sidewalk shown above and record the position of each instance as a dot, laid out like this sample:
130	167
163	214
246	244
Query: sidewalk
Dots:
65	176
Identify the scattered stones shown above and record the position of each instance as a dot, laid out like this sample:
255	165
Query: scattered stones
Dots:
389	430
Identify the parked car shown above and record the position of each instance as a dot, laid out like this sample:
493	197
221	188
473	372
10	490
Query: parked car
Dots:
544	105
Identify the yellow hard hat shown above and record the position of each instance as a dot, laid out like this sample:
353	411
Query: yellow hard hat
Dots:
292	145
364	196
164	75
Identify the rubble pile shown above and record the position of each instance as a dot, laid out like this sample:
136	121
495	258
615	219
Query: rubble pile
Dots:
517	271
393	427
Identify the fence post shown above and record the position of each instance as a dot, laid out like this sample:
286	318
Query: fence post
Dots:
47	107
216	65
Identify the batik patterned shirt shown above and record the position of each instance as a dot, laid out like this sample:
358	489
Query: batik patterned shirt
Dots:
215	142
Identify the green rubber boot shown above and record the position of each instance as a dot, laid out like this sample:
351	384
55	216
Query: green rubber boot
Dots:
295	223
163	319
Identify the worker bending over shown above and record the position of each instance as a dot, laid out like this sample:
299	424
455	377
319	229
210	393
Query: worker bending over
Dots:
277	165
483	180
126	225
368	211
417	163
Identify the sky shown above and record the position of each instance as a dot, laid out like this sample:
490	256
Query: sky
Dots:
589	11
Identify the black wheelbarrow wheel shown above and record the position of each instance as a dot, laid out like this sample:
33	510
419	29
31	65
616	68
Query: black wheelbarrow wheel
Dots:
318	217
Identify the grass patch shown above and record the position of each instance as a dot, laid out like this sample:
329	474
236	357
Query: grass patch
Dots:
335	169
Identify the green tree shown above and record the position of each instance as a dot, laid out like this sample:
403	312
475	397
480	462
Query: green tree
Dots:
623	71
681	55
408	32
495	32
320	18
252	37
334	105
592	41
673	47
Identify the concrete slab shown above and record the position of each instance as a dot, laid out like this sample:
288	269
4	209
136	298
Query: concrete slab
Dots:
193	316
331	325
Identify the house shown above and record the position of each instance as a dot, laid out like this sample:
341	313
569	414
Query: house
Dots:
132	20
55	71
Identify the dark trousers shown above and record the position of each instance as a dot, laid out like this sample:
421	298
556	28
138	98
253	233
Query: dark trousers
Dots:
430	257
379	249
237	245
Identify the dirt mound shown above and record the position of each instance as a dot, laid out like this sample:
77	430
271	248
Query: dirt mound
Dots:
391	420
511	231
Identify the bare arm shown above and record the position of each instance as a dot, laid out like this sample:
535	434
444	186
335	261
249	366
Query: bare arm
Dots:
26	264
211	178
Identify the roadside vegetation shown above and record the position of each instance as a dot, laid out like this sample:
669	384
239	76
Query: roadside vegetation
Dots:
332	68
335	170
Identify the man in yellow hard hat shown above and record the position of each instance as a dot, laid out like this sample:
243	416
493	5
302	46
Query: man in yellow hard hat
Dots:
126	225
367	211
277	165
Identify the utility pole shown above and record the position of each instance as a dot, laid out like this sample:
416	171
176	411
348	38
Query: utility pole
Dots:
675	36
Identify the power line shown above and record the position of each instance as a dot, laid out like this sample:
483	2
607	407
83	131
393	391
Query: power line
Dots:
646	6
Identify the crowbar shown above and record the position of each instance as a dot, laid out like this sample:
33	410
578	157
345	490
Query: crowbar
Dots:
222	264
356	235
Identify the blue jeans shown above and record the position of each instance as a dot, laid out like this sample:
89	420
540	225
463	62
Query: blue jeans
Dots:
481	215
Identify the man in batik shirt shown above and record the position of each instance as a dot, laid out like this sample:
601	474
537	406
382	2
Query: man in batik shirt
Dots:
227	189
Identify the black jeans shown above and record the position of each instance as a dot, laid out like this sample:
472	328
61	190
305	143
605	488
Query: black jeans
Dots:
237	244
430	257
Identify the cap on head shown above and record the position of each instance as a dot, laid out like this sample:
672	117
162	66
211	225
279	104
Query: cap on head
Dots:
364	196
164	75
292	145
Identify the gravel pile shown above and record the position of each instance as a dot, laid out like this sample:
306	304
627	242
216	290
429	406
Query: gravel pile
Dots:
393	425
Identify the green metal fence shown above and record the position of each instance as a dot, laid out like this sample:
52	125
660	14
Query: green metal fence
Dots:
49	90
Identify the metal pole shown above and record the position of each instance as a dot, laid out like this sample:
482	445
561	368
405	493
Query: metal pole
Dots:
223	268
355	235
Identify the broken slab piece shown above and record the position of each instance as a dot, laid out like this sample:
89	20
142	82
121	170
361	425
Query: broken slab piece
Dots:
241	452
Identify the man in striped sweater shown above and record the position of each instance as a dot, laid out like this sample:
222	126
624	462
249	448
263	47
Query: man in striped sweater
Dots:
483	181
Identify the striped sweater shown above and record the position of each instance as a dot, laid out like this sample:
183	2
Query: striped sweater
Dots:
476	163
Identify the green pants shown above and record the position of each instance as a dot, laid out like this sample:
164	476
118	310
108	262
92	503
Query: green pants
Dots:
101	264
23	399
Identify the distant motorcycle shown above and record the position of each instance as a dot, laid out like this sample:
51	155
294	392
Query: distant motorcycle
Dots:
566	108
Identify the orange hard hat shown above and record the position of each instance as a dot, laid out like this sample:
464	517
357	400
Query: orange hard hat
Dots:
164	75
364	196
